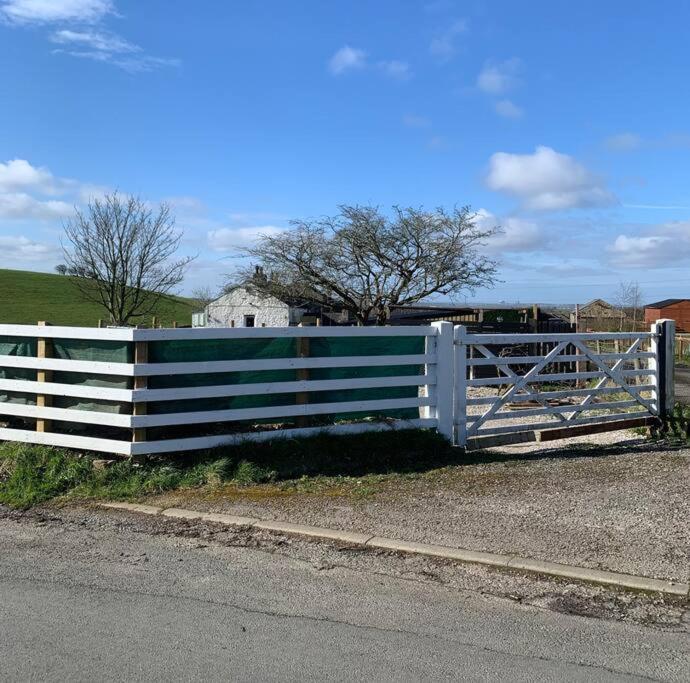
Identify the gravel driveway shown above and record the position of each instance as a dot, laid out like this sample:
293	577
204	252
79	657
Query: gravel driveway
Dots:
612	501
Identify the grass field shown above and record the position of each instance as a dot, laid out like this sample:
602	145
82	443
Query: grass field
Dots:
27	297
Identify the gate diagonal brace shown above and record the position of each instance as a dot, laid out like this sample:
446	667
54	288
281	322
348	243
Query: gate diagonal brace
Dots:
520	383
613	375
505	369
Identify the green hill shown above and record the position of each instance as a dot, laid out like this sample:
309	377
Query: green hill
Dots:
27	297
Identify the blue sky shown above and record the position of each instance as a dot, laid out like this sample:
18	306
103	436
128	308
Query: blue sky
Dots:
566	123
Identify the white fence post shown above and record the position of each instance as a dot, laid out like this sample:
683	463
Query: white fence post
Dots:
444	378
460	385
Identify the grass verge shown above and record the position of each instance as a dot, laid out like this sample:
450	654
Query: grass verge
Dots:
30	474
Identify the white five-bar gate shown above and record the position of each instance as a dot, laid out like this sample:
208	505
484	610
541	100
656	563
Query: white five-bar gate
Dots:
475	389
517	387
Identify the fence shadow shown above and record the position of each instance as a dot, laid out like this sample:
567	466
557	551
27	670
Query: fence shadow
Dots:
567	452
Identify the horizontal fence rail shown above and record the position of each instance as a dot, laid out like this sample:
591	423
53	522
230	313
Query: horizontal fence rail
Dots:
141	391
146	391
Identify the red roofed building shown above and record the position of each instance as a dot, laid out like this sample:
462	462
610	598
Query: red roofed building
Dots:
673	309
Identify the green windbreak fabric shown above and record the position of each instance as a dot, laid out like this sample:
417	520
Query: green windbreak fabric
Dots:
101	351
72	349
246	349
218	350
17	346
366	346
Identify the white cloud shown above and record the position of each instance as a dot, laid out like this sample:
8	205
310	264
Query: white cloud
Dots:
444	45
108	47
24	187
51	11
20	248
663	245
517	234
395	69
347	59
19	205
134	64
496	78
229	239
88	192
623	142
508	109
186	204
547	180
95	40
19	174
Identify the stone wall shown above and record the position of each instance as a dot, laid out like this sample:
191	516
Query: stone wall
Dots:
240	302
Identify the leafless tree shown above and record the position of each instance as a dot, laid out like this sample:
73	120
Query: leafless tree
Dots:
628	301
61	269
123	254
203	296
369	263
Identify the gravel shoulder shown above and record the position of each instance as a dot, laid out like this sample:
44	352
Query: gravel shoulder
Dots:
611	501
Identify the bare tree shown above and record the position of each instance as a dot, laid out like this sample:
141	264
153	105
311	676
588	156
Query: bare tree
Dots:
628	301
61	269
369	263
203	296
123	254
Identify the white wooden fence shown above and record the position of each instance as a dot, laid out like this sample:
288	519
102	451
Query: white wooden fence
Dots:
520	394
433	400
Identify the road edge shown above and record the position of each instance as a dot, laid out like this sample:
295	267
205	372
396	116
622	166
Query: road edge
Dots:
512	562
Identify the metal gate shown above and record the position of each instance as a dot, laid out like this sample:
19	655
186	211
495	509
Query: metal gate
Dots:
526	387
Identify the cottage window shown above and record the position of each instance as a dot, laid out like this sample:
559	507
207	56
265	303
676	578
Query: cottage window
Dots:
249	320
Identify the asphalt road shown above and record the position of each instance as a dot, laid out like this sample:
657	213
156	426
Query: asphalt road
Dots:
80	604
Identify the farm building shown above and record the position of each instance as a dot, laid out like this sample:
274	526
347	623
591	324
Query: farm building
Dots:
674	309
598	315
247	306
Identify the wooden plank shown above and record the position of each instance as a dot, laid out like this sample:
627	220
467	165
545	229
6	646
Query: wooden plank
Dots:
139	409
537	426
564	393
44	349
519	360
555	377
583	430
506	339
278	364
200	333
204	442
554	410
482	442
47	413
302	397
218	391
202	416
62	332
85	443
58	389
85	366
